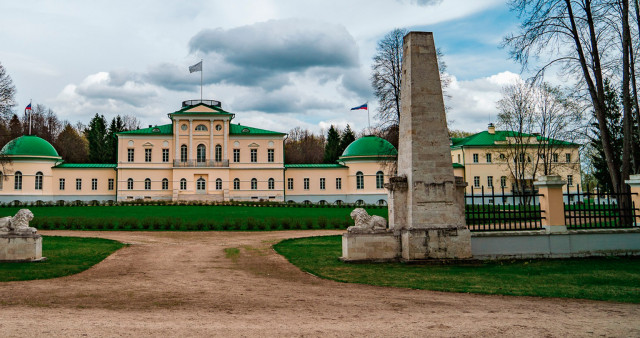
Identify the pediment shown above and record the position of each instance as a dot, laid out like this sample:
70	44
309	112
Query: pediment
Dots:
201	109
148	144
254	145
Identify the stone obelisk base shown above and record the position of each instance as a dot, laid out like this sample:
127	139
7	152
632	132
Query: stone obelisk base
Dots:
436	243
21	248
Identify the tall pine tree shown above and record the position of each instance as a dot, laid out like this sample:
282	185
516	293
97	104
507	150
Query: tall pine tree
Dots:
116	126
332	147
348	136
15	127
98	140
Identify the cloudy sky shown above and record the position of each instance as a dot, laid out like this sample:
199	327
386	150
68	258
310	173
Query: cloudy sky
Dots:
276	64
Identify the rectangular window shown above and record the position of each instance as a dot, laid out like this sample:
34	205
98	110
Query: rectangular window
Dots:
290	183
338	183
476	181
503	181
110	184
567	158
488	158
475	158
570	180
322	183
183	153
269	155
147	155
254	155
459	158
129	155
490	181
236	155
94	184
306	184
62	184
165	155
554	158
78	184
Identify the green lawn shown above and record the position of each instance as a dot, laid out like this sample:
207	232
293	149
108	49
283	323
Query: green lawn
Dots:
65	256
191	217
611	278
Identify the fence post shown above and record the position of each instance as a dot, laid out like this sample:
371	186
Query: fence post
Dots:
634	184
551	202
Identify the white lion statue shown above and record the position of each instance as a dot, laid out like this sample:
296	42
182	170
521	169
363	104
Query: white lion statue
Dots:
366	223
18	224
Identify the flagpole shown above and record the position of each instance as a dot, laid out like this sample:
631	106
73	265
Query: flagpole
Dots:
30	110
368	119
201	71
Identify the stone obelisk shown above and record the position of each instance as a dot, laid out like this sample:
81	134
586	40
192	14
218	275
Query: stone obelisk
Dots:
426	201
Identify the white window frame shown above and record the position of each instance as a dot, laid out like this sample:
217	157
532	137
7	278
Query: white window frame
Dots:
94	184
305	183
147	154
323	183
254	155
61	184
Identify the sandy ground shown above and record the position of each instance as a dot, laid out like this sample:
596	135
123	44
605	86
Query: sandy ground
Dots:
181	284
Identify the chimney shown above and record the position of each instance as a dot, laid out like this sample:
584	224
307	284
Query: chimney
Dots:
492	128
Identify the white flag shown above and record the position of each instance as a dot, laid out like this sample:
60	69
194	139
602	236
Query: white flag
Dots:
196	68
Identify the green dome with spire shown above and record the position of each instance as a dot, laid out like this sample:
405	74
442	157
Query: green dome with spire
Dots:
369	148
29	146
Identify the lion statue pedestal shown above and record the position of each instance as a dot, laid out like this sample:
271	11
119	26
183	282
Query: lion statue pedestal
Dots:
369	239
18	241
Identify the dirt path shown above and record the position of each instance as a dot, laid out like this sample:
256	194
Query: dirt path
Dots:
181	284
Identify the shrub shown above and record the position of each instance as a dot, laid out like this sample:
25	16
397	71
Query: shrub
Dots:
286	223
322	222
297	224
226	224
252	223
308	223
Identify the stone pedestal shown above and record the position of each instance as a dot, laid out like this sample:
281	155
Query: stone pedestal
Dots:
436	243
21	248
370	247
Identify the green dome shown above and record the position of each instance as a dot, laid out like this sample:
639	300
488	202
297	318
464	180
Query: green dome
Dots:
368	147
29	146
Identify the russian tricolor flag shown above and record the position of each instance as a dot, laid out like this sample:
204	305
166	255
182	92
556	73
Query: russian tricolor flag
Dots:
28	107
364	106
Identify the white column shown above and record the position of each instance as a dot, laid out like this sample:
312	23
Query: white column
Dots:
211	158
225	136
190	158
176	149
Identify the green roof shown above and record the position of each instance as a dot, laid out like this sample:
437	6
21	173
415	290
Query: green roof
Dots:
315	165
237	129
369	147
86	165
165	129
216	110
457	165
29	146
485	139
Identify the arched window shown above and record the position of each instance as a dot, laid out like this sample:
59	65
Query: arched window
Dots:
17	185
1	179
359	180
183	184
183	153
339	202
201	184
218	153
254	184
130	184
201	127
382	202
236	184
165	184
359	202
147	184
272	184
218	184
39	180
379	180
201	153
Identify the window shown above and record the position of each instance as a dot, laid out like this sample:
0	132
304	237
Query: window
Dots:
236	155
359	180
78	184
147	184
503	181
475	158
305	183
218	153
379	180
147	155
130	184
201	184
201	127
271	184
290	183
129	155
236	184
488	156
459	158
254	155
570	180
17	183
322	183
183	184
476	181
567	158
165	184
218	127
165	155
201	153
490	181
110	184
1	179
183	153
218	184
521	157
554	158
338	183
254	184
61	187
269	155
94	184
39	180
